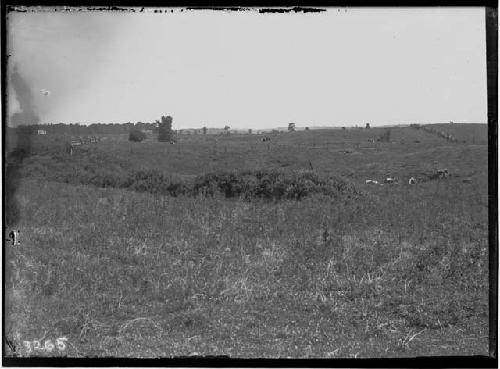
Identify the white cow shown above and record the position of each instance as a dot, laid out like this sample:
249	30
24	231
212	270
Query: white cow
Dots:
371	181
412	181
14	237
390	180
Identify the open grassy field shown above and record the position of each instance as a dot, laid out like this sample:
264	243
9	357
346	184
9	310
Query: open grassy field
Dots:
227	245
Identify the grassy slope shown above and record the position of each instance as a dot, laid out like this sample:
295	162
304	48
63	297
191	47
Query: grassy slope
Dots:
129	274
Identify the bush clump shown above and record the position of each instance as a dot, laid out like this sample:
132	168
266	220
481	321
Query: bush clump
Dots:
136	136
270	184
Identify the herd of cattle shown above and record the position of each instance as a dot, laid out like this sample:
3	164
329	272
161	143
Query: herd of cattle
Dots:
440	174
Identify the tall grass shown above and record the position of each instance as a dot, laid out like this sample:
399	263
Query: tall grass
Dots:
123	273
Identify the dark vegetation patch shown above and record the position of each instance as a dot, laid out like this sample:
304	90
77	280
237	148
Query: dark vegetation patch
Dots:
271	184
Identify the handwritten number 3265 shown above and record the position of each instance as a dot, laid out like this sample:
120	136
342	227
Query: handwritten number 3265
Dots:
48	346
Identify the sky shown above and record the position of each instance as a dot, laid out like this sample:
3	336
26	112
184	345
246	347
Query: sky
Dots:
344	66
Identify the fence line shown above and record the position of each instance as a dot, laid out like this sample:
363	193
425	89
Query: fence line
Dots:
435	132
84	140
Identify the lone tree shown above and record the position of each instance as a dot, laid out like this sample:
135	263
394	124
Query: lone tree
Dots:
307	128
226	130
367	125
165	129
249	131
291	127
204	129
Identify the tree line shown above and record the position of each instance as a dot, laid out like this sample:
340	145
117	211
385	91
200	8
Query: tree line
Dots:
76	129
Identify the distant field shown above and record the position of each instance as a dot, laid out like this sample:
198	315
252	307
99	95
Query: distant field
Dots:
114	262
325	150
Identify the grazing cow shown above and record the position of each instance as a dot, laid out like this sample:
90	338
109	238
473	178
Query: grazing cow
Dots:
442	173
412	181
390	180
172	142
371	181
14	237
265	139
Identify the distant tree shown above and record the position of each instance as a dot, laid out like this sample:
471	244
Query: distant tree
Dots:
204	129
226	130
307	128
165	129
367	125
250	131
136	136
291	127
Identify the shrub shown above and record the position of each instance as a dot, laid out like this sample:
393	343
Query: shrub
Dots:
136	136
